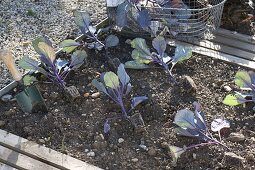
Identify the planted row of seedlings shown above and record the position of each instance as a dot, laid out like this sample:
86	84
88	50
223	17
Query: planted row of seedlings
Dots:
117	85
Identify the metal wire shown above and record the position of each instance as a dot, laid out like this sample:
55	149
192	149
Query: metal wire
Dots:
195	19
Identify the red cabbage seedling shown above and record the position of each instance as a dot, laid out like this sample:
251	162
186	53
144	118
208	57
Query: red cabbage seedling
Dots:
56	70
193	124
246	82
83	21
117	87
143	56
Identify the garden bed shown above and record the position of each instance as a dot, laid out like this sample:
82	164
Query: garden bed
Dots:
76	127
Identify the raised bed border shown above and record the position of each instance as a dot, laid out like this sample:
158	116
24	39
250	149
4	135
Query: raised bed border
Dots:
20	153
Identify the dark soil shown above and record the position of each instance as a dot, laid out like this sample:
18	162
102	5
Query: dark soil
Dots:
236	17
75	127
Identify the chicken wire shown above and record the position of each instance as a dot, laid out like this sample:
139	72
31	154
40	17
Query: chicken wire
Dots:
185	19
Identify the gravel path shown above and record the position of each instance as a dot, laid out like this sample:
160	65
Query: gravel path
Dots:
21	21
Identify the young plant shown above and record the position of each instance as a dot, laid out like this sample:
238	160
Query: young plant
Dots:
246	82
117	87
193	124
83	21
143	56
56	70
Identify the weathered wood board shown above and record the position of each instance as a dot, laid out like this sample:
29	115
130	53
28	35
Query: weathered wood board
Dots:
226	45
20	153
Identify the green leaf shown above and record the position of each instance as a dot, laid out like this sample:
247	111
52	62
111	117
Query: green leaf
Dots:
77	59
68	45
185	119
28	80
233	100
181	53
135	65
141	46
28	63
122	74
159	44
111	41
243	79
82	20
111	80
176	153
141	57
100	86
38	40
47	51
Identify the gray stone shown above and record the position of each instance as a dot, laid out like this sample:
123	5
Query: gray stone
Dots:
91	154
231	158
6	98
134	160
236	137
95	95
121	140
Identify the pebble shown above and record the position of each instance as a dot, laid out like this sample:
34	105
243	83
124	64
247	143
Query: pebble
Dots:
91	154
134	160
6	98
41	141
2	123
227	88
95	95
86	95
144	147
86	150
120	140
236	137
233	159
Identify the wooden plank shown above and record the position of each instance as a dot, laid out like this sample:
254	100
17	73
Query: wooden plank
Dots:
215	54
234	35
225	49
41	153
6	167
21	161
234	43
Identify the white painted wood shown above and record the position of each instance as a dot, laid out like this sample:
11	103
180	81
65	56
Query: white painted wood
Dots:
215	54
234	35
42	153
225	49
23	161
6	167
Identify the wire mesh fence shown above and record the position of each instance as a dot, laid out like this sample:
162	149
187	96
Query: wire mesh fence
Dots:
185	19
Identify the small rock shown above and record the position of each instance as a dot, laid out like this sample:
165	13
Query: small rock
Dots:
231	158
189	84
2	123
227	88
144	147
194	156
26	43
6	98
95	95
236	137
134	160
86	150
91	154
128	41
120	140
86	95
41	141
152	151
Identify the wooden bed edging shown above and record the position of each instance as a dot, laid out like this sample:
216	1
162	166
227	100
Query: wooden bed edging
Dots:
20	153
